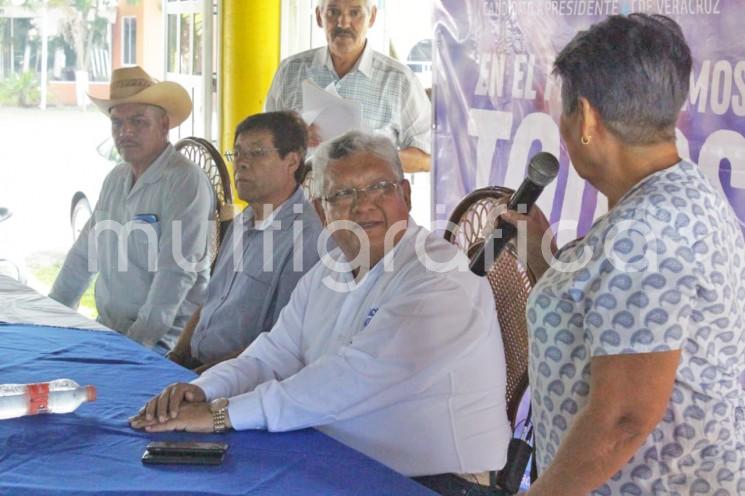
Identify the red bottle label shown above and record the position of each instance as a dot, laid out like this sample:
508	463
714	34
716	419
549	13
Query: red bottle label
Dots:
38	398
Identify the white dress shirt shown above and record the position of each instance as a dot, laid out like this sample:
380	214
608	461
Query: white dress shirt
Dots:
392	98
407	366
153	297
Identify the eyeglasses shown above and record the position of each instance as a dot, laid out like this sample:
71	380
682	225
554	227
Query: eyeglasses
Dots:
250	153
345	198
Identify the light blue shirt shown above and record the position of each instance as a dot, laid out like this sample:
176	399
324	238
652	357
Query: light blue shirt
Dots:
665	271
164	258
253	282
393	101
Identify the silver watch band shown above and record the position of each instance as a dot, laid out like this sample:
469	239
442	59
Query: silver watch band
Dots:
220	420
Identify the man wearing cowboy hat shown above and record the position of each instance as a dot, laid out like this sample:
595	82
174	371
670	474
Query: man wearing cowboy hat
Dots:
148	237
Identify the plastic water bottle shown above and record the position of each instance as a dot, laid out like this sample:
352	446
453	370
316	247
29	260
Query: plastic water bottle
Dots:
60	396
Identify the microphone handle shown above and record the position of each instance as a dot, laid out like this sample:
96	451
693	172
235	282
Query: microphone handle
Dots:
526	194
511	475
493	245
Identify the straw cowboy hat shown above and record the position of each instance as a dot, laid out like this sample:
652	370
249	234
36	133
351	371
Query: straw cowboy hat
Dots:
133	85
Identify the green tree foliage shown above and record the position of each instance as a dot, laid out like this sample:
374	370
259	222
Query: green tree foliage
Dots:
20	90
84	27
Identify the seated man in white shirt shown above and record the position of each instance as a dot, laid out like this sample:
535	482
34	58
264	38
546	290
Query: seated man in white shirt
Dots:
392	347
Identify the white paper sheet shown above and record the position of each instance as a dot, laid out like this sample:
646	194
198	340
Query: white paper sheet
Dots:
332	114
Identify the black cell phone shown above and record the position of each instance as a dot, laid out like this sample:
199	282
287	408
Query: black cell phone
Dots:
185	452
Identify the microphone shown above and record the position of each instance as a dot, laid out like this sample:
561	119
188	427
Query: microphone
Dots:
542	169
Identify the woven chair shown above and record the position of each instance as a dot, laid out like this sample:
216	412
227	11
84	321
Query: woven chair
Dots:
511	282
205	155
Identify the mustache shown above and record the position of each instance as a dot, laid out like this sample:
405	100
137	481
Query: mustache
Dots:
341	31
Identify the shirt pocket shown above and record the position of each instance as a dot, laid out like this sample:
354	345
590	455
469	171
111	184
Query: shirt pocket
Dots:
252	287
143	244
251	294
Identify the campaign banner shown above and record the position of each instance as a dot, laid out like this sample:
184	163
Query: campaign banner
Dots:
497	104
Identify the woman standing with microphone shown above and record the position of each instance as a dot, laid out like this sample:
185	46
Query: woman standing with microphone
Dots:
637	331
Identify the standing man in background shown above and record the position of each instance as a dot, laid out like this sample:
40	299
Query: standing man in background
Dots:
392	99
148	236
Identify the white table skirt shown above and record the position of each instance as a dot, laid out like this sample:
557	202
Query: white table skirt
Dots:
19	304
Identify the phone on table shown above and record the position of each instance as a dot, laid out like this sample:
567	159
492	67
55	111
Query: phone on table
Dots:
185	452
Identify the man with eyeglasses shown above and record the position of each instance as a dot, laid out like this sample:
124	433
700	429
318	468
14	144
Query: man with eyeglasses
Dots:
392	99
148	237
391	345
267	248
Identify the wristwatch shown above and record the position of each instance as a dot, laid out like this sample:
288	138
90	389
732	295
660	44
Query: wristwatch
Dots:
219	409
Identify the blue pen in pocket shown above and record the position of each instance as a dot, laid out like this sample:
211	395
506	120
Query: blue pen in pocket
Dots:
147	218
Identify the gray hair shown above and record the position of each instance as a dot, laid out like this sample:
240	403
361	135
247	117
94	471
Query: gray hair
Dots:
368	4
347	144
634	70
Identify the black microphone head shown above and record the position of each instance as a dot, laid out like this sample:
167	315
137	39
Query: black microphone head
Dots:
543	168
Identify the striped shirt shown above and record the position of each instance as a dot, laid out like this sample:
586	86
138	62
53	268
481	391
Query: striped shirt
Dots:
393	101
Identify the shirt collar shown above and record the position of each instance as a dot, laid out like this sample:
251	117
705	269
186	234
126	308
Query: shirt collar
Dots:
373	274
411	226
645	179
154	170
632	191
282	213
363	64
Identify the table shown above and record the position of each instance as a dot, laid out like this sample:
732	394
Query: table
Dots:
93	450
20	304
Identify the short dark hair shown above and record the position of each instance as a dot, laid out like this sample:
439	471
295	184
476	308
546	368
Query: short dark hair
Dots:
634	70
289	133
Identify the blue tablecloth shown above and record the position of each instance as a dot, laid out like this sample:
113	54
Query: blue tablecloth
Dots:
93	450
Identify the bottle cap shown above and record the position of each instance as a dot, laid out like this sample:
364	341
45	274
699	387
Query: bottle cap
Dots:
91	392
